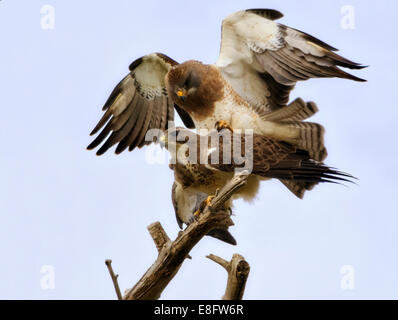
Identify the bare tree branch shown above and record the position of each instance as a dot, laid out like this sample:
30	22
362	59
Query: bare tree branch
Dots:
238	271
223	263
158	235
114	276
171	254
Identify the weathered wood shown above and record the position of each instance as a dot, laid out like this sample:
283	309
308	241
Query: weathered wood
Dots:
238	271
158	235
173	253
114	276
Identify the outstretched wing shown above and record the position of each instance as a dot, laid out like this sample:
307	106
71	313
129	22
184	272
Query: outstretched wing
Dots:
263	60
275	159
138	103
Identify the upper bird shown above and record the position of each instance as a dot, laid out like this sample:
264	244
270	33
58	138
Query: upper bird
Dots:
259	64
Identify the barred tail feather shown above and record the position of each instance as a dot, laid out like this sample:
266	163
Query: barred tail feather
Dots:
309	138
297	110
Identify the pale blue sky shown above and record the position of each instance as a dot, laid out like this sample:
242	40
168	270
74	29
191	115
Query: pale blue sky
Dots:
63	206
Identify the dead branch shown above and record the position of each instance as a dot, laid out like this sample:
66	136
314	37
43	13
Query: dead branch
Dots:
114	276
171	254
238	271
158	235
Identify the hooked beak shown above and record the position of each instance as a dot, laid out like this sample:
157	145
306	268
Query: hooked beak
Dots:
182	94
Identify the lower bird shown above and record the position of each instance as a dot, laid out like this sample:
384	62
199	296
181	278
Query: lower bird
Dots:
197	175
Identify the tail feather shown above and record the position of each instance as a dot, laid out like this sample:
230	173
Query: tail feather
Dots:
310	137
287	124
306	176
297	110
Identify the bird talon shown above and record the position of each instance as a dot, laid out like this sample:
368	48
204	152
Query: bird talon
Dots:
197	213
208	201
203	205
220	125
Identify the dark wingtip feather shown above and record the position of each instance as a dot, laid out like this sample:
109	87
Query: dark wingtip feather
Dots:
97	128
122	145
359	79
97	141
115	92
90	146
267	13
335	178
344	62
344	174
136	63
346	75
358	66
101	151
119	150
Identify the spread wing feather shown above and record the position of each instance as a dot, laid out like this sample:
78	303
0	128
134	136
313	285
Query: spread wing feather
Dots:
138	103
273	159
263	59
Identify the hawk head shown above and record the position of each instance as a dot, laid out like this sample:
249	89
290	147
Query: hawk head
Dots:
195	87
184	81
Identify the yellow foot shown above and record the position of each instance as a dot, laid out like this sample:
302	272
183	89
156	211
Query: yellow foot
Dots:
208	201
203	205
223	125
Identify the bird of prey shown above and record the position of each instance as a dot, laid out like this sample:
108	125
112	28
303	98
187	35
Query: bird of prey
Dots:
187	202
248	87
259	64
269	158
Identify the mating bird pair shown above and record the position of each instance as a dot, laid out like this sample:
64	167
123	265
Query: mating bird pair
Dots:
247	88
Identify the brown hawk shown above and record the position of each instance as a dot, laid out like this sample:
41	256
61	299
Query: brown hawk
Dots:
259	64
196	174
